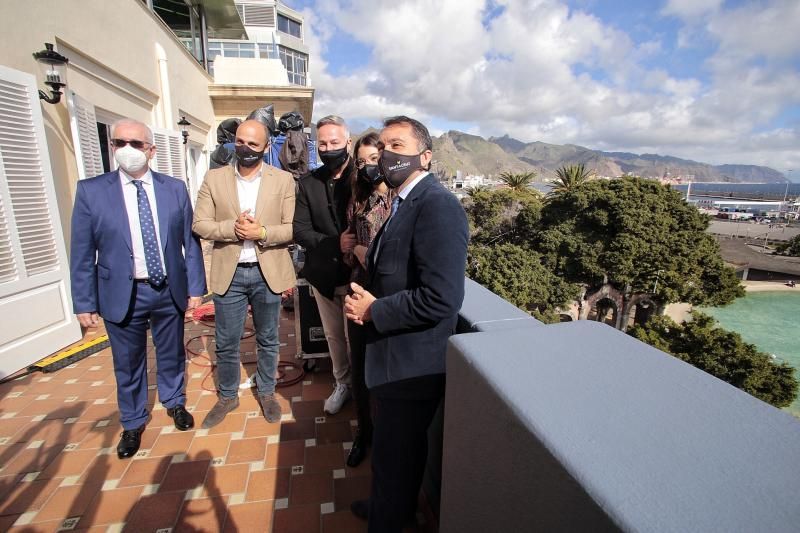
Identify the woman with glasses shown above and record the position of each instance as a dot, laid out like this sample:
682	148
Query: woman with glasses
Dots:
369	208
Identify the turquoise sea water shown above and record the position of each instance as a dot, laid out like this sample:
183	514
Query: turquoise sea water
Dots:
771	321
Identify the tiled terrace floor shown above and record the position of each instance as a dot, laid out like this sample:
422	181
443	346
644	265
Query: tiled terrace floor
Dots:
59	469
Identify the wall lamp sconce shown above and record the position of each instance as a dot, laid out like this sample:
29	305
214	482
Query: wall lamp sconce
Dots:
184	124
54	66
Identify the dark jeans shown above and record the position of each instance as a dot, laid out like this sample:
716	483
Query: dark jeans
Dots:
403	412
153	308
230	310
358	352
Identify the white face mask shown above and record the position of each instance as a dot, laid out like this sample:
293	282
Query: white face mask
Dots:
130	159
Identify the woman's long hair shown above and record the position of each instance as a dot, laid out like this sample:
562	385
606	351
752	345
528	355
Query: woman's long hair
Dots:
361	189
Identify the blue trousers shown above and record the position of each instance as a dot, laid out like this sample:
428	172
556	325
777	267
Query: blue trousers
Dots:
230	311
155	309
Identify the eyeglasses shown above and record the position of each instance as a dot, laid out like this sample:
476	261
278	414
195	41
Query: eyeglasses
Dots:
361	163
139	145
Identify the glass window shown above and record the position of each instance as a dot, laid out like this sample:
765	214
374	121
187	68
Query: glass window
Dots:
295	64
287	25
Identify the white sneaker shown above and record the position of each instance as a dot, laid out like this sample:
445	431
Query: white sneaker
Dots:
334	403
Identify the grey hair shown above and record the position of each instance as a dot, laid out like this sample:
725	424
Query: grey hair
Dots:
334	120
132	122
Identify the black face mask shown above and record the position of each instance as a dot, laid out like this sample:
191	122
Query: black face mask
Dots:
334	159
370	174
396	168
247	157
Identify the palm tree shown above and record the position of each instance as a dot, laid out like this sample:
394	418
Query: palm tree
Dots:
518	181
569	178
473	191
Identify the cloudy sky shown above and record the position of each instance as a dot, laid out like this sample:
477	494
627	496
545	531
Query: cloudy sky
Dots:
711	80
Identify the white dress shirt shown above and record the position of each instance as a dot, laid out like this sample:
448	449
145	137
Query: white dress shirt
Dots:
132	207
248	196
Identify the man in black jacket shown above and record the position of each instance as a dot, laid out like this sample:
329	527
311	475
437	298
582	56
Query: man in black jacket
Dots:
320	226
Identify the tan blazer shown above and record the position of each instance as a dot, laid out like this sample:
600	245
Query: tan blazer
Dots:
216	211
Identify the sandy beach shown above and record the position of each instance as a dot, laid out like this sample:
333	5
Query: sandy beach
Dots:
764	286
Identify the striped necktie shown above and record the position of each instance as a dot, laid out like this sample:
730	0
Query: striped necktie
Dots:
152	255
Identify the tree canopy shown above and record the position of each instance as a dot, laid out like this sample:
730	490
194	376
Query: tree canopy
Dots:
632	231
518	181
792	247
722	354
569	178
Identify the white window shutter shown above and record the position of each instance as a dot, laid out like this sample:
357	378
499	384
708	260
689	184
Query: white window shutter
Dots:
24	183
170	153
35	304
83	123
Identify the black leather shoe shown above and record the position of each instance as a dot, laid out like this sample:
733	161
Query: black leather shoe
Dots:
360	508
183	418
357	452
129	442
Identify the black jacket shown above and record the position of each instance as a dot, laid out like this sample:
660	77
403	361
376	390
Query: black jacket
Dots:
320	217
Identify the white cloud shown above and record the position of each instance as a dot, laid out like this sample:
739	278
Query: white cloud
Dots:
540	71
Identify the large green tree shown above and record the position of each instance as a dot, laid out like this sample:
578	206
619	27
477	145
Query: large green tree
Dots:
504	215
792	247
722	354
634	232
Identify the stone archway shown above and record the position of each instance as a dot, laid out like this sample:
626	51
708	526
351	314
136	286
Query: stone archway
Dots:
638	310
605	304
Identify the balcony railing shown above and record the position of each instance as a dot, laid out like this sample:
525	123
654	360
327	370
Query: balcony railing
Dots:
579	427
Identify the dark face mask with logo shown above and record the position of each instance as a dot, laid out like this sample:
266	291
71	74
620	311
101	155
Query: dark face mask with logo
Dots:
247	157
396	168
334	159
370	174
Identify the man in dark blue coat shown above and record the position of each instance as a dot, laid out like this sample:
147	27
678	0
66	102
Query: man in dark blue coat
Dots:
135	263
416	265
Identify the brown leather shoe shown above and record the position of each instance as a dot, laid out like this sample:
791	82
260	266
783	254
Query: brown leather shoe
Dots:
270	407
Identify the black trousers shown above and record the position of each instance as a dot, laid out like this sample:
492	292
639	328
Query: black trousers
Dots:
403	412
358	351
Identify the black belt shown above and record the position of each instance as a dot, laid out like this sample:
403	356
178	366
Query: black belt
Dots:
248	265
147	281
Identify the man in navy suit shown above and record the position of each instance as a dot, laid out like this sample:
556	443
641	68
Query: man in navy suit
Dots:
416	266
135	263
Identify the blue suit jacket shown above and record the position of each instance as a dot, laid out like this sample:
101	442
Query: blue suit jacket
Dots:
101	254
418	278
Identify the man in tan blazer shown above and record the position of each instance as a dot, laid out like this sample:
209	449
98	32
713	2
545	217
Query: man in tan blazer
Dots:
247	208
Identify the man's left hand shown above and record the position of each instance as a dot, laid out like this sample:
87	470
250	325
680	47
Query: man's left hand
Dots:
194	302
247	229
357	306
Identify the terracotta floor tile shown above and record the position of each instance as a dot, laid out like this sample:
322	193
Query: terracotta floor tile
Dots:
205	514
343	522
297	519
324	458
226	479
155	511
7	483
233	423
56	432
330	432
290	391
11	427
172	443
317	391
28	496
144	471
7	454
184	476
205	403
111	506
299	430
270	484
104	437
15	405
103	411
286	454
346	490
308	409
246	517
72	463
7	521
364	469
53	409
258	427
247	450
104	468
211	445
159	419
32	460
43	527
311	488
67	502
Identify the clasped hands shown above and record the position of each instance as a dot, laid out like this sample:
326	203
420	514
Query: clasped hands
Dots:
246	227
357	305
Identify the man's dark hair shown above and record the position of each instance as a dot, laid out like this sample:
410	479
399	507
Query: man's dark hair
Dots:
424	141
